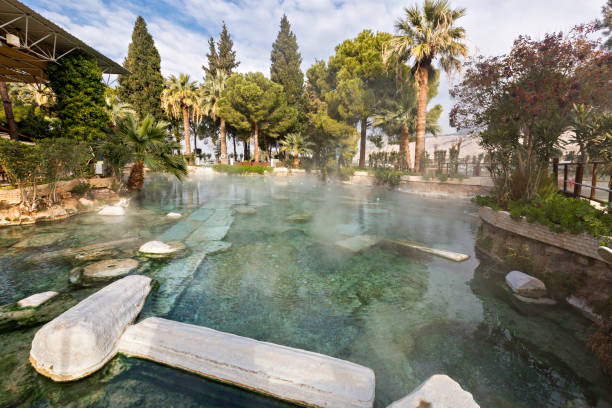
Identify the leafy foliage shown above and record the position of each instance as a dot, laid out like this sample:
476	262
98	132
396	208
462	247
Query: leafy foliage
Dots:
521	103
62	158
22	165
143	87
388	177
79	91
253	102
146	144
559	214
241	169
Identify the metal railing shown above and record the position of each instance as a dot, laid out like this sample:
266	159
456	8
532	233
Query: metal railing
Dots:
574	186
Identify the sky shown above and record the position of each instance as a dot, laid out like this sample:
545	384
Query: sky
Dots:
181	28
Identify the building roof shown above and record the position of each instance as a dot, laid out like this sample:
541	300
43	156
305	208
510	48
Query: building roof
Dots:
29	42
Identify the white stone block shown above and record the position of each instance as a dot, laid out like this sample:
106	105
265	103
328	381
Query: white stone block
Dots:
157	248
173	215
112	210
290	374
525	285
36	299
81	340
439	391
443	253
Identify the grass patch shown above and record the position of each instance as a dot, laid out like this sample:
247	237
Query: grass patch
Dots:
240	169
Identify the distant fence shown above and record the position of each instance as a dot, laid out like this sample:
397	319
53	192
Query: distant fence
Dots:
573	177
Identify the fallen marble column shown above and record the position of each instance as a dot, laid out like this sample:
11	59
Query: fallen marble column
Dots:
442	253
82	339
290	374
438	391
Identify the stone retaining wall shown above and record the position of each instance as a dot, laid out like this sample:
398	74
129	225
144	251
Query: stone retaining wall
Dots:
11	197
462	188
568	264
582	244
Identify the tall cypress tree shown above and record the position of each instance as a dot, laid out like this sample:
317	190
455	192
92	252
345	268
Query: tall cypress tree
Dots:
142	89
213	59
286	60
227	55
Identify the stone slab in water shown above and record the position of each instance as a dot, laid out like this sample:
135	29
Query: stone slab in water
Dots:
443	253
359	242
290	374
525	285
36	299
205	233
83	251
540	301
173	215
40	240
221	218
174	279
216	247
112	210
439	391
109	268
82	339
245	209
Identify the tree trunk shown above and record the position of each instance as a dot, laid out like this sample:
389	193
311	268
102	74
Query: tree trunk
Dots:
186	130
362	147
8	110
296	161
245	146
223	141
136	179
256	140
405	145
235	154
422	77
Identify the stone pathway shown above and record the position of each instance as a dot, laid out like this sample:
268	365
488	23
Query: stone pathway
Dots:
202	231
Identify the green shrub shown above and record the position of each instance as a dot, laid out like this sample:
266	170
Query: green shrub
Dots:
387	177
240	169
559	214
81	188
345	173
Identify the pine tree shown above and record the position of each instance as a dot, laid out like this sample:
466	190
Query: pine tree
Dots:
286	60
227	55
142	89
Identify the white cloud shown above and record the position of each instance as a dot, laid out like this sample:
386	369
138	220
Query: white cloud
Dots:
320	25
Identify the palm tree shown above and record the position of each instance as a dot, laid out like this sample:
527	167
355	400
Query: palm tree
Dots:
116	109
148	145
208	103
424	36
294	145
398	116
178	97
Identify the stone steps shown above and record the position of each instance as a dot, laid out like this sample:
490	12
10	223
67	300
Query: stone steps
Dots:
290	374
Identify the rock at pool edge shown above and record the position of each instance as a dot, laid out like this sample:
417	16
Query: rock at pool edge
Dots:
82	339
438	391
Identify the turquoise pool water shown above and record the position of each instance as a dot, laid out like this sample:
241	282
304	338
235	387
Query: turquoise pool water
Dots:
405	314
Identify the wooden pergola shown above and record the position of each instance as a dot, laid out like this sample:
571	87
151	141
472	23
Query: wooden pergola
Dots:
29	43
